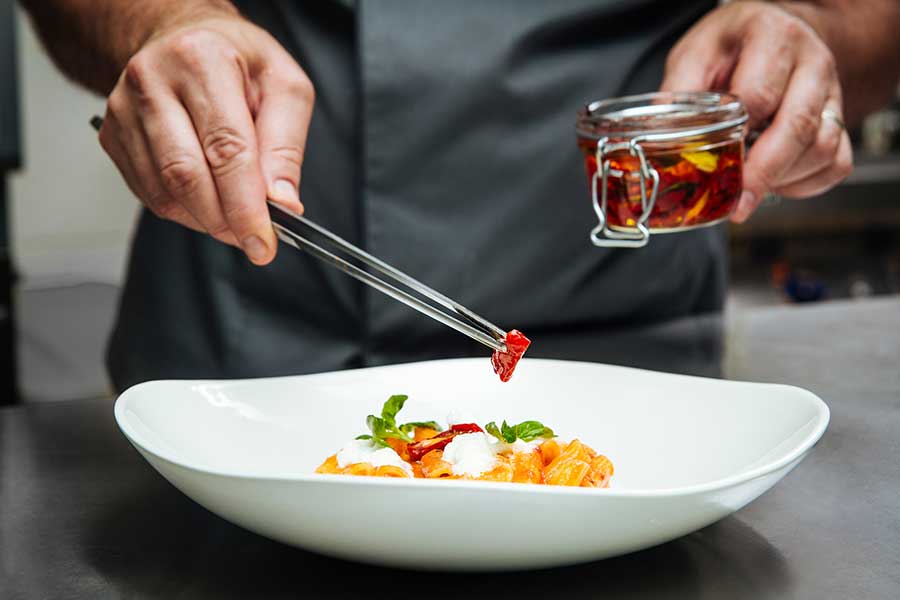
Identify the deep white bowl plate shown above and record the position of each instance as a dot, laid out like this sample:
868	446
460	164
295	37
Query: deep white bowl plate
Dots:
687	452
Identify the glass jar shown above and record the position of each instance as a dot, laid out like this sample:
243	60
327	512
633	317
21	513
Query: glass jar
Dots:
667	162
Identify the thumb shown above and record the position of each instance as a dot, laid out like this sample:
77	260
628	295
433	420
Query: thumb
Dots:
756	186
282	124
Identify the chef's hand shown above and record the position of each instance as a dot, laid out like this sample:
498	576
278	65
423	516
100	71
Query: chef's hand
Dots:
207	120
786	76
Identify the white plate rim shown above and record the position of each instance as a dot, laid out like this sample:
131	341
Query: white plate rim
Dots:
823	416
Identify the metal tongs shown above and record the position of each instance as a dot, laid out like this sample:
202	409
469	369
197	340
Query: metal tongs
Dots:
296	230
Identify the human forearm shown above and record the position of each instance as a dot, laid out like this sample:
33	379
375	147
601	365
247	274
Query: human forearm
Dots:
92	40
863	38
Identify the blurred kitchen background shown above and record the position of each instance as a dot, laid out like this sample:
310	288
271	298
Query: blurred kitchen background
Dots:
66	217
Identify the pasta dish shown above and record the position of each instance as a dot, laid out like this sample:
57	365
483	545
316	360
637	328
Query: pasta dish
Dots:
528	452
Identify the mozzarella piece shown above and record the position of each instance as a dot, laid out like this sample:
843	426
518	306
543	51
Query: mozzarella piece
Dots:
471	454
364	451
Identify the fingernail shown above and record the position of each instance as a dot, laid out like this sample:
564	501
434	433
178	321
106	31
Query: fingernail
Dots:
255	248
285	191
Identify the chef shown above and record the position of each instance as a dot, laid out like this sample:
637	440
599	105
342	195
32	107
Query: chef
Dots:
439	136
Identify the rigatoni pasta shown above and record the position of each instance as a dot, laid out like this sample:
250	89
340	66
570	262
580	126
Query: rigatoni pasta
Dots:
525	453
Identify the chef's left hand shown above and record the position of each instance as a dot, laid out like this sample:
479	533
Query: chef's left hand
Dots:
786	76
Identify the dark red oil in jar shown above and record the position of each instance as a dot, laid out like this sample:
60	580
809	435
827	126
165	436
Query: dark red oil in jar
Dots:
694	141
695	186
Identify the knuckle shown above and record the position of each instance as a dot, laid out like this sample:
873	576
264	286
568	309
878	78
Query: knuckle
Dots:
843	166
245	218
765	180
829	146
804	126
242	215
202	51
769	20
828	64
793	27
167	209
301	86
138	72
153	202
180	175
761	101
192	46
226	150
219	230
292	156
760	175
755	20
821	63
116	106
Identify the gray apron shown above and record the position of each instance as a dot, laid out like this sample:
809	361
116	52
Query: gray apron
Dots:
443	142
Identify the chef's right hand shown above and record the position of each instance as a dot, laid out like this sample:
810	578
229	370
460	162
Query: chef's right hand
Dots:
207	120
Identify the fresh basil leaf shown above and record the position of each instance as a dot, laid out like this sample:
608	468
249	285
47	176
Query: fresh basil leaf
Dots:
531	430
526	431
375	425
381	442
411	426
391	407
375	441
381	429
492	429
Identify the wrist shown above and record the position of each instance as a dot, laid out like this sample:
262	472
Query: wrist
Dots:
150	21
817	16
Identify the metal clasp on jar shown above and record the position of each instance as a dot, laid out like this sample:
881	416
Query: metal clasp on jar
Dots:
602	235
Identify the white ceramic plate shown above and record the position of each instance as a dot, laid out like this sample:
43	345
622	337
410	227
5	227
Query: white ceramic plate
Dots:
687	452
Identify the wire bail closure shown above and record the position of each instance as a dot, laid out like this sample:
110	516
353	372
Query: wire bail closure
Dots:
638	236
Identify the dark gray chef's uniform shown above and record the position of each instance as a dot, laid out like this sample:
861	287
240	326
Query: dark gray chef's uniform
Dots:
443	142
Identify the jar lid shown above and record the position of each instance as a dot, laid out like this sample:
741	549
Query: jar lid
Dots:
669	113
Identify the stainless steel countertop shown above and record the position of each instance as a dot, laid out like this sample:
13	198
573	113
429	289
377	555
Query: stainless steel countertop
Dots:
83	516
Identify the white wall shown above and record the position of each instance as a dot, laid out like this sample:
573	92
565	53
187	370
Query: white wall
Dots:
71	213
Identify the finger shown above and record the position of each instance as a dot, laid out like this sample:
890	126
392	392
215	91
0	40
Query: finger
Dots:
135	168
282	123
164	208
179	166
702	60
763	73
822	153
218	109
794	129
109	141
827	177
